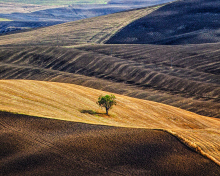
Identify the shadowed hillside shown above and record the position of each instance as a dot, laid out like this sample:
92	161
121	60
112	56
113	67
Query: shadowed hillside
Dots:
38	146
180	22
142	71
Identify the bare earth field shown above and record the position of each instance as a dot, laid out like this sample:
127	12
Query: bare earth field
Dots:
180	22
39	146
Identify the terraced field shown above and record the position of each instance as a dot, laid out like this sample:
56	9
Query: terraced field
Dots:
141	71
92	30
66	101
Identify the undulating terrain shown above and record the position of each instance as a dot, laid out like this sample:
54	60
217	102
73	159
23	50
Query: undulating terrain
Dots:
91	30
167	117
180	22
23	15
37	146
141	71
71	102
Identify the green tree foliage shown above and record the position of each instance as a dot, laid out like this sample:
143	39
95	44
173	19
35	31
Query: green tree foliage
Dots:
106	101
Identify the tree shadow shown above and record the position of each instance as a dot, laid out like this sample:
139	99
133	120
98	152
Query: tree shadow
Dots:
85	111
93	112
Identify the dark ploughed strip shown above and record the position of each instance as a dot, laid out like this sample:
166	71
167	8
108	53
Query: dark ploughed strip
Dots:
39	146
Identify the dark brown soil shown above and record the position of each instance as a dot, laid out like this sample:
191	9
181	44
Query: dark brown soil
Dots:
180	22
39	146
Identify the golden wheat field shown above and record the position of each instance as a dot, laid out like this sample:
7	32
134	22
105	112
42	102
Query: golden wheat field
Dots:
66	101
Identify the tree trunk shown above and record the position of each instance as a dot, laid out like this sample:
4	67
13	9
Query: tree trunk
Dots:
106	111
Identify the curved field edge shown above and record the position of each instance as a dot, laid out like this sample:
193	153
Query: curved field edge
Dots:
140	71
116	150
91	30
66	101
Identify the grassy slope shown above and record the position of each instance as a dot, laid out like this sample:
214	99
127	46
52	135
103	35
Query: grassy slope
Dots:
141	71
92	30
65	101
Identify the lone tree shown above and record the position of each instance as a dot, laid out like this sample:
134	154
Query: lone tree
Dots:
106	101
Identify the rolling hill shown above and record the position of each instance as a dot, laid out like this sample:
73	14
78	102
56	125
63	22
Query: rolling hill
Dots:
134	70
180	22
92	30
51	78
39	146
70	2
66	102
55	2
25	15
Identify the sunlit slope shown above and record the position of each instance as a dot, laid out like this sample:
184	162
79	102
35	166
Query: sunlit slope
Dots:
140	71
92	30
65	101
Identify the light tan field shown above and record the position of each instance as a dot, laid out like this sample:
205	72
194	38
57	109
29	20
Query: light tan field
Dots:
7	8
4	19
65	101
92	30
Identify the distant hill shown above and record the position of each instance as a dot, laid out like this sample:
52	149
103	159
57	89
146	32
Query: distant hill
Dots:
55	2
53	16
70	2
180	22
89	30
32	16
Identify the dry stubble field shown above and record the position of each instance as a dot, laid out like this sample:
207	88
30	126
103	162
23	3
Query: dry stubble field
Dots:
91	30
65	101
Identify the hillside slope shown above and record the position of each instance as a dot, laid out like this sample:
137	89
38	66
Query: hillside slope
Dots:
92	30
141	71
180	22
40	146
66	102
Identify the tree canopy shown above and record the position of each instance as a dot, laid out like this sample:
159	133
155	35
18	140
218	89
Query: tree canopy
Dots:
106	101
